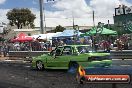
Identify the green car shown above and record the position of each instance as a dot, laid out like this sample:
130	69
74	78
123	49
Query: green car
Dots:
71	56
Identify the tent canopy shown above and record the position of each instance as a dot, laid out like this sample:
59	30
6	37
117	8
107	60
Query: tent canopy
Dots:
68	33
22	37
105	31
65	33
46	36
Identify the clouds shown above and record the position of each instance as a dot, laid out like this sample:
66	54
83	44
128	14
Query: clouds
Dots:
2	1
78	8
3	17
34	2
105	8
81	10
3	12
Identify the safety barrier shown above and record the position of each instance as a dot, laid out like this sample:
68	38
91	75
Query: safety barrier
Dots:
125	54
26	55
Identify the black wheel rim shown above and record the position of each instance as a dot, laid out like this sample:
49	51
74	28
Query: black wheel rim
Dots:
39	65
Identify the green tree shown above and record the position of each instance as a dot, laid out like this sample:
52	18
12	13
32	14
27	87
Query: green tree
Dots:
21	17
59	28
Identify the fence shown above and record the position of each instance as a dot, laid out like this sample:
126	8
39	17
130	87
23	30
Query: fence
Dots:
125	54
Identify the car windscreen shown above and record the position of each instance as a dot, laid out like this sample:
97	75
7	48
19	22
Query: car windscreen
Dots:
84	49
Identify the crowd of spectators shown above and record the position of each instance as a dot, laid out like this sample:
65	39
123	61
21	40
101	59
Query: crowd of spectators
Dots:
117	44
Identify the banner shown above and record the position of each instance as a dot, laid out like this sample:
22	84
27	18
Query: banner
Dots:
119	11
128	26
128	10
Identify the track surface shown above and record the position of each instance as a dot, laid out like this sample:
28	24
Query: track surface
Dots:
20	75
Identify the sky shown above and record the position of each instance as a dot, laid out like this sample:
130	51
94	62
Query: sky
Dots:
61	12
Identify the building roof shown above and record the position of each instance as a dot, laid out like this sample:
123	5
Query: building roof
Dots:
53	22
26	30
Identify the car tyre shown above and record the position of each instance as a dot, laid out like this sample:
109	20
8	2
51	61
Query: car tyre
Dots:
39	65
82	80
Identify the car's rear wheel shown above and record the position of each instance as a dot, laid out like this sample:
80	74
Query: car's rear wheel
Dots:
39	65
73	66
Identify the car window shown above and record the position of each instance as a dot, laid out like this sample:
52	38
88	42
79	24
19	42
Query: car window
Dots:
58	52
84	49
67	50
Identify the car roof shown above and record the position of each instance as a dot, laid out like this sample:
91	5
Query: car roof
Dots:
76	45
72	46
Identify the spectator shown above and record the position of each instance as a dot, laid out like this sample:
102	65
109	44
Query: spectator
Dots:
119	44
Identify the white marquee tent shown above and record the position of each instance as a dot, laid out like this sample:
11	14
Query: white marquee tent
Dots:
47	36
68	33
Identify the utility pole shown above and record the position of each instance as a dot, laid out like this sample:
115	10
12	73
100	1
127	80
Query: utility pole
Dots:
44	19
108	24
73	21
41	17
93	20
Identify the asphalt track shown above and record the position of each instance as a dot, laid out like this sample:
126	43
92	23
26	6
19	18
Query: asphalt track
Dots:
118	67
20	75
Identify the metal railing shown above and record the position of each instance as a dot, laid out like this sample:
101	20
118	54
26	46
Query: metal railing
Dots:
125	54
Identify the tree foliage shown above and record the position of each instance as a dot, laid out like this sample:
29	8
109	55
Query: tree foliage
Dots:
21	17
59	28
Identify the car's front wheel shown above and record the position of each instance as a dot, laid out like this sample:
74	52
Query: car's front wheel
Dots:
39	65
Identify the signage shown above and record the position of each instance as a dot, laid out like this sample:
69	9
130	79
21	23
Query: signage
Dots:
128	10
107	78
119	11
128	26
123	10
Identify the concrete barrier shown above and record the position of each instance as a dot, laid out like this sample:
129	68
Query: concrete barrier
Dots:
26	55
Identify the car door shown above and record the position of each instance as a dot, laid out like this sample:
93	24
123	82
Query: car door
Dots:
51	61
64	58
61	59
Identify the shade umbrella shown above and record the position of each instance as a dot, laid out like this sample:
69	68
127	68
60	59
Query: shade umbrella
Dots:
108	32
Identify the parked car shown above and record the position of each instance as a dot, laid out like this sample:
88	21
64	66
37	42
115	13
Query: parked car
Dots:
71	56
